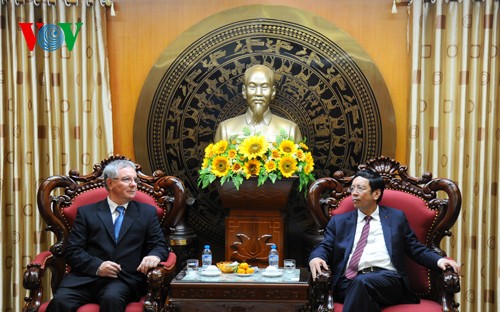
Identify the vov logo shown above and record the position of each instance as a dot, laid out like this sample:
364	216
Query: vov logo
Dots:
50	37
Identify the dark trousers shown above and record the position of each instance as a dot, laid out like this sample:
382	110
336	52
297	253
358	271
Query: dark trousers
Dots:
369	292
112	295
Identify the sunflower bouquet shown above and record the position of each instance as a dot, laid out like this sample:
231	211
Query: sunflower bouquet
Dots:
251	155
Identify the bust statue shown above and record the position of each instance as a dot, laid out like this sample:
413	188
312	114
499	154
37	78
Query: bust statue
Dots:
258	90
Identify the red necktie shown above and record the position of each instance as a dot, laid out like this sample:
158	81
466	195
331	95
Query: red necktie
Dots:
352	268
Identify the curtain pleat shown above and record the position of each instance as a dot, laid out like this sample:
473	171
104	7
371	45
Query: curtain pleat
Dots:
56	116
454	128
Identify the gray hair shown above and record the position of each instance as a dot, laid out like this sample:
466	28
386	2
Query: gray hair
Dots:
111	169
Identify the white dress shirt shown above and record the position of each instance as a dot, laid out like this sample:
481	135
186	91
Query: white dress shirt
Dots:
112	207
375	253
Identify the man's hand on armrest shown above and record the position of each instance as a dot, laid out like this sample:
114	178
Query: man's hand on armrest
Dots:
443	263
147	263
315	265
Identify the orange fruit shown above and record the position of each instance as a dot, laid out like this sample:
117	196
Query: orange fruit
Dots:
243	265
250	271
241	271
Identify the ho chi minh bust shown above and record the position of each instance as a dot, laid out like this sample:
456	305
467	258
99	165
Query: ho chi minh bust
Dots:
258	90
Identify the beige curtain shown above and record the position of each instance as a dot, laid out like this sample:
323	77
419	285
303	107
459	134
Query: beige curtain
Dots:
56	116
454	130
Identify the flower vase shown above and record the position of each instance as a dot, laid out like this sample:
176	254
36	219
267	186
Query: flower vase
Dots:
269	196
256	219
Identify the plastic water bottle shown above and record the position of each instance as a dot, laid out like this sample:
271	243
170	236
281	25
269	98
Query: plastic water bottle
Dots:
206	257
273	257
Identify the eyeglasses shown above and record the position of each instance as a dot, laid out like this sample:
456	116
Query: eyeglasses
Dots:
359	189
128	180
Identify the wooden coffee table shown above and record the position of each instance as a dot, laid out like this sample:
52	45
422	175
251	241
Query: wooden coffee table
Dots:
229	292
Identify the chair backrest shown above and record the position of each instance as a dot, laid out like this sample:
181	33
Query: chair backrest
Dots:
99	193
60	196
431	206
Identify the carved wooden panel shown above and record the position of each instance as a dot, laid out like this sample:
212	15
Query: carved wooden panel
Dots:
249	238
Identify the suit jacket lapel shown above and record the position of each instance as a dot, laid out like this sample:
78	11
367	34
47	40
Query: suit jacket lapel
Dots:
104	214
131	214
385	219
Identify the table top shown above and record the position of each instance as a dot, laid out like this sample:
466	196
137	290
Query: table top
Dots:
299	276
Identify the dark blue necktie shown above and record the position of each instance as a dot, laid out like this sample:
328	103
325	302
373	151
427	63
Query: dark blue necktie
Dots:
119	220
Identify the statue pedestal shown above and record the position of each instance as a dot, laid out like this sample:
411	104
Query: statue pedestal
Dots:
256	219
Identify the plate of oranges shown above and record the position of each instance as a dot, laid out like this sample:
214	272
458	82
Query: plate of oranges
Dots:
243	270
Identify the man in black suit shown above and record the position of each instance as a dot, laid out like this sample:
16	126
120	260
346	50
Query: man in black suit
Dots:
373	275
109	268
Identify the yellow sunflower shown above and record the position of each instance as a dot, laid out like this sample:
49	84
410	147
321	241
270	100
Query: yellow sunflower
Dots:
204	165
232	153
309	167
253	147
220	166
288	147
287	166
252	167
303	146
220	147
208	150
236	167
275	154
270	166
301	155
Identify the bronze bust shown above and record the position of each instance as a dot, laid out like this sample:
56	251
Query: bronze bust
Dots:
258	90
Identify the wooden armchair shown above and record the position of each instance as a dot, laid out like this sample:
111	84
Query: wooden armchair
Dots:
58	200
431	205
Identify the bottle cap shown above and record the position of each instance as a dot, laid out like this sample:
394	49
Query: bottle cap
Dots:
273	246
207	246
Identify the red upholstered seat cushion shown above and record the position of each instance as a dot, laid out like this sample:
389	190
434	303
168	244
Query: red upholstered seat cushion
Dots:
98	194
424	306
421	220
92	307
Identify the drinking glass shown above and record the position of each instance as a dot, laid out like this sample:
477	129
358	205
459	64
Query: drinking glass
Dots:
289	265
192	266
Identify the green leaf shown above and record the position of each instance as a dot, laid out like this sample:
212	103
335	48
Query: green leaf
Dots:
273	177
224	179
246	131
262	179
232	138
208	179
237	181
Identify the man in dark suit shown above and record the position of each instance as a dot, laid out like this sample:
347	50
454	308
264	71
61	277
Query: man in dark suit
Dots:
109	268
366	247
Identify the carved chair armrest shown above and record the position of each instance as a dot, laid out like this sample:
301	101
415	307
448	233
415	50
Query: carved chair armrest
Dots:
159	279
32	280
451	286
322	292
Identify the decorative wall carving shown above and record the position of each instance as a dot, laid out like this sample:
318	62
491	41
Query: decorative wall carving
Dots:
325	83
